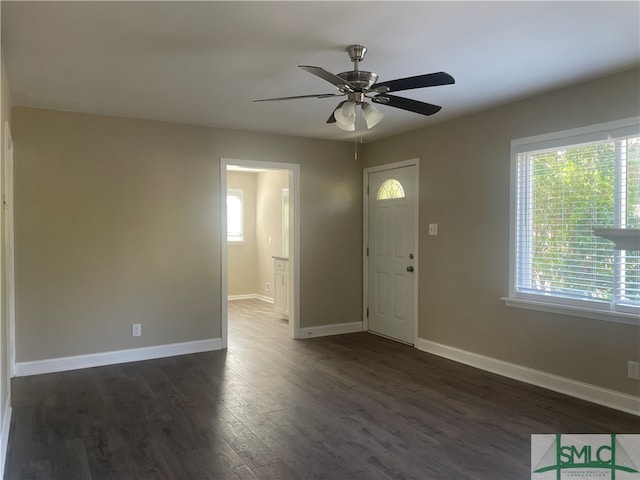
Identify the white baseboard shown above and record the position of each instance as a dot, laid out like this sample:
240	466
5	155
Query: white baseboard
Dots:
250	296
119	356
584	391
325	330
4	434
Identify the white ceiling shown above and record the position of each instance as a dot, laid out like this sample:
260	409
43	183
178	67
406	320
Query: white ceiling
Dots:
204	62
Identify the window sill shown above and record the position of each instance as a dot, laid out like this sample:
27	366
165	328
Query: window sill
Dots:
236	242
616	317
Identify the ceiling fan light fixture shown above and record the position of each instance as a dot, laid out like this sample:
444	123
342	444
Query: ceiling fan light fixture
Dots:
346	116
372	116
358	85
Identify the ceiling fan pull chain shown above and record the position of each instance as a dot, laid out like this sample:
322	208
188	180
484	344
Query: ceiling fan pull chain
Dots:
355	145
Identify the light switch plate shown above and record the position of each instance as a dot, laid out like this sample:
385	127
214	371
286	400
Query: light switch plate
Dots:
136	330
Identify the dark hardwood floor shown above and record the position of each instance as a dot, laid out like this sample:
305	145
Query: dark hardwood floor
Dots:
345	407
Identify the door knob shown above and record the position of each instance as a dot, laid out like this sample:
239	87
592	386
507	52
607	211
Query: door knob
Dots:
409	268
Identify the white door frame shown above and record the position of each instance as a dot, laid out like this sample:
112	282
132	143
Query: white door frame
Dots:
294	240
365	238
7	206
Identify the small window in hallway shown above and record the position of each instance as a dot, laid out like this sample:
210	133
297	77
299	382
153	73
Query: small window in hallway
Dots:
235	228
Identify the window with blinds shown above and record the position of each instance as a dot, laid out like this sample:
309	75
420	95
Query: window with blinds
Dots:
566	185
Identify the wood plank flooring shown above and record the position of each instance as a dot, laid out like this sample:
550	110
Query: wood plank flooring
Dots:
345	407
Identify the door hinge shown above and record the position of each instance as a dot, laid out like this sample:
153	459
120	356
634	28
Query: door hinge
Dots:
367	312
367	189
367	251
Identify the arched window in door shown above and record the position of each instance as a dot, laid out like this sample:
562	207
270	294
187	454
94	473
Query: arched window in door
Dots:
390	189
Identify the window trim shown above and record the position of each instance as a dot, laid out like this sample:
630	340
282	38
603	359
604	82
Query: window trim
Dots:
598	132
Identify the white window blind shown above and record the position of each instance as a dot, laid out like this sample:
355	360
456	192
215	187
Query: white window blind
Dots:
565	187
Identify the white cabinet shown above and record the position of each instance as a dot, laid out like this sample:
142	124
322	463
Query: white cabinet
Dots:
281	285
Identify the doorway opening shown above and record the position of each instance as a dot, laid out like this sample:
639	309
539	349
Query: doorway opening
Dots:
260	238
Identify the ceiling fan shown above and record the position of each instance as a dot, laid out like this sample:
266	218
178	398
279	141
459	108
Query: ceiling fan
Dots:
359	85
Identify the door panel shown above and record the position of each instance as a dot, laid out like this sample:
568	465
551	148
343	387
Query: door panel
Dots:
392	249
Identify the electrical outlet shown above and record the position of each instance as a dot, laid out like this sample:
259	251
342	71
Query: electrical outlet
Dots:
266	286
633	370
433	229
136	330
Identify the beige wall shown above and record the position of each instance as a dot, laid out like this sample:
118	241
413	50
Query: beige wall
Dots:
464	271
117	221
242	258
269	225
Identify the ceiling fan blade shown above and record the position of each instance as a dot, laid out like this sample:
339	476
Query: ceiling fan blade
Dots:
329	77
332	118
319	95
409	83
406	104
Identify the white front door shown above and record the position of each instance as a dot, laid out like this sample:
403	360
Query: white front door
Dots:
392	252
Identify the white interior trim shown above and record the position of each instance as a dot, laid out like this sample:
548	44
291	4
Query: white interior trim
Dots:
251	296
294	240
4	434
589	133
335	329
574	388
574	311
76	362
9	254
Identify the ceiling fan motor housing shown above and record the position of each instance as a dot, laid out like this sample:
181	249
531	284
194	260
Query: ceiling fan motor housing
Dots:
360	79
